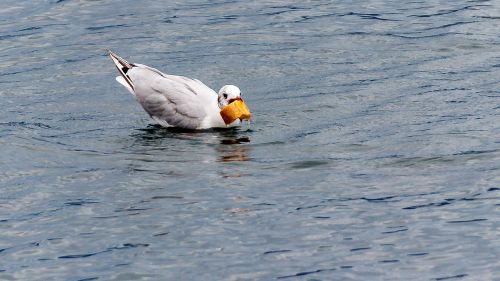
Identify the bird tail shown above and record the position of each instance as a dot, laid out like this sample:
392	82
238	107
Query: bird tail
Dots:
123	67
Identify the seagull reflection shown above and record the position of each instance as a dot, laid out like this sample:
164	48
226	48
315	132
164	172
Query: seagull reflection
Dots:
157	134
189	144
231	148
232	153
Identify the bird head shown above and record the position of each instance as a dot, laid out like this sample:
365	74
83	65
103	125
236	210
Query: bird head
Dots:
228	94
232	105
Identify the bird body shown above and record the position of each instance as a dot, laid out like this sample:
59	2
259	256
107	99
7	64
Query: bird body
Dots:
176	101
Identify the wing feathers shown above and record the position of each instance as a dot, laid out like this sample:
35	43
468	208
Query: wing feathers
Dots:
125	84
170	100
123	67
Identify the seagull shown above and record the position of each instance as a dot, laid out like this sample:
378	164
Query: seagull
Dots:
178	101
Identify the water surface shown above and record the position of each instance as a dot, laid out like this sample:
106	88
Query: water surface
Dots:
374	152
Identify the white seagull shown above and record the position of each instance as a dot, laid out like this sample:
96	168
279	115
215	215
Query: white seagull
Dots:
177	101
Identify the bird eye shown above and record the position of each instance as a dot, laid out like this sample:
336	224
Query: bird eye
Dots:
225	96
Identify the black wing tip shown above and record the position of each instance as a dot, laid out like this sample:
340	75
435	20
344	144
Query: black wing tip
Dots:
122	61
122	65
113	54
109	52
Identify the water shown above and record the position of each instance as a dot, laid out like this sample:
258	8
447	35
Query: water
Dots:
374	152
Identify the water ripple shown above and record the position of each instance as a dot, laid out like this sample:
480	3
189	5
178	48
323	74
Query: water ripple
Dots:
374	142
306	273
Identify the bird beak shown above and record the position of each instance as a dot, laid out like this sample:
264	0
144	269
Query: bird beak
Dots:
236	109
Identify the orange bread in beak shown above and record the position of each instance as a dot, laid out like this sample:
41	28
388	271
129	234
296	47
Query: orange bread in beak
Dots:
235	110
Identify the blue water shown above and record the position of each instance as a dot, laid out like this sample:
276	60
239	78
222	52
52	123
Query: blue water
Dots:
374	152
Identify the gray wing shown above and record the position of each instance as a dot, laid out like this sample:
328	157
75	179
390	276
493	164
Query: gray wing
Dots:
171	100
